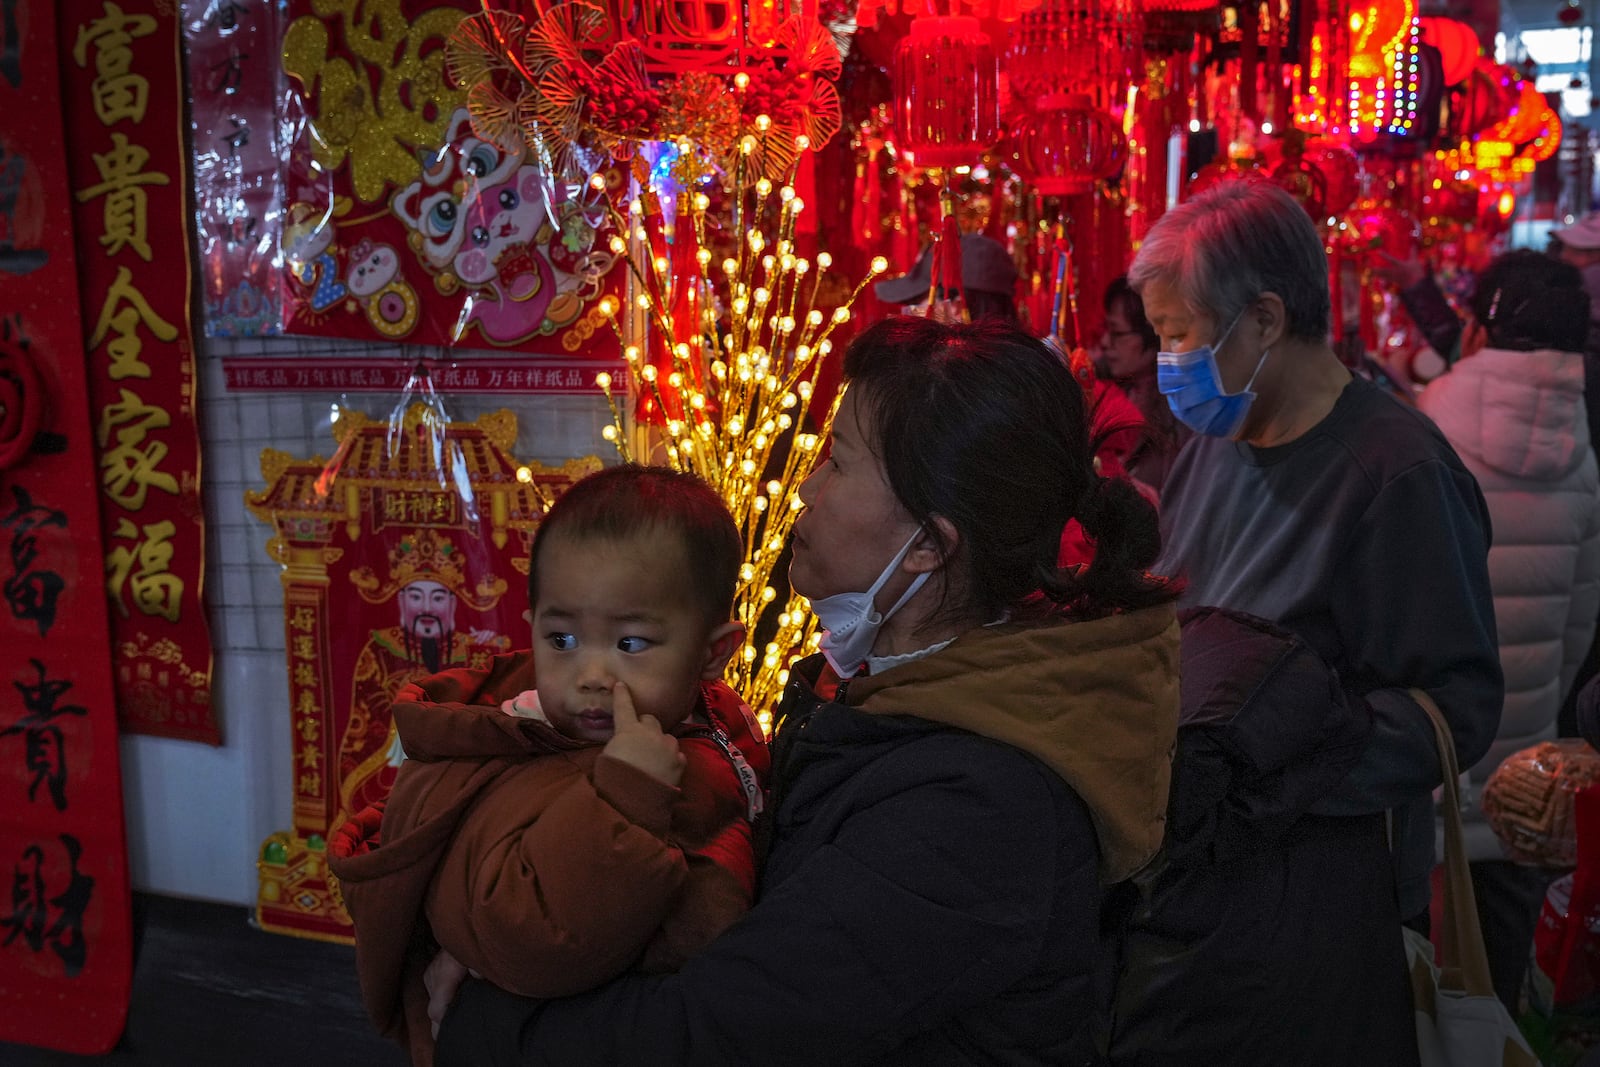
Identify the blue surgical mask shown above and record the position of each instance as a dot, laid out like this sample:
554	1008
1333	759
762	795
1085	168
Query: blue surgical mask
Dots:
1192	385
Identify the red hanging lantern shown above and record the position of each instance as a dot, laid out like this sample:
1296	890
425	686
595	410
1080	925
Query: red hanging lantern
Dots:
1304	182
1283	161
1548	139
1373	226
1221	170
1376	26
1495	211
1457	45
1452	201
1342	170
947	91
1067	145
1492	154
1480	101
1092	48
1527	115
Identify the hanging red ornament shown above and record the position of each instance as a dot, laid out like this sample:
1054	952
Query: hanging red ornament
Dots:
1219	171
1569	13
867	12
1342	170
1375	25
947	91
1172	31
1546	142
1092	48
1067	145
1304	182
1285	162
1483	99
1457	44
1526	115
1495	211
1452	201
1492	156
1374	226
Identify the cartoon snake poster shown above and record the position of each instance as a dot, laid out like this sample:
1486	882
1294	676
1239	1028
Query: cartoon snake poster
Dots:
402	224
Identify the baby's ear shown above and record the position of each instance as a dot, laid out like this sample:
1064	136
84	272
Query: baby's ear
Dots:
721	644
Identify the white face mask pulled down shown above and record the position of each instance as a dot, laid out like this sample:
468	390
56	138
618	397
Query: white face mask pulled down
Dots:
850	621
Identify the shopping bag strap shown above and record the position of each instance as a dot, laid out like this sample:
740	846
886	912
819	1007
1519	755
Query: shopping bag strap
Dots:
1465	962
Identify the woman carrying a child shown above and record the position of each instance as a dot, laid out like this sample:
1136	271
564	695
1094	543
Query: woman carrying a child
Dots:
982	747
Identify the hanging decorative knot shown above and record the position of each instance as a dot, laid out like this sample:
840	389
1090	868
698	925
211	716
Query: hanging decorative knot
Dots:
570	78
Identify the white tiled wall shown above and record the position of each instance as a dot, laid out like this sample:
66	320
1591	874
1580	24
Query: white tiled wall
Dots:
196	814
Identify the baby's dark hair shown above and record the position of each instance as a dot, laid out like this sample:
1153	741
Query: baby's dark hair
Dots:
629	500
1526	300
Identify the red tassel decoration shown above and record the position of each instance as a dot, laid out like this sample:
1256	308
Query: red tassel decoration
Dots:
683	273
950	252
907	241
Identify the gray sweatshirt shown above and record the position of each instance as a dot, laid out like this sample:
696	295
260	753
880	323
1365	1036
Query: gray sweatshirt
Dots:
1368	538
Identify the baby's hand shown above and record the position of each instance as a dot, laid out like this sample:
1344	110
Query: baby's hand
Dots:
443	978
639	740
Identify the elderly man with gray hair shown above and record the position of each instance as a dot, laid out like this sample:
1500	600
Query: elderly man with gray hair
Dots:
1315	500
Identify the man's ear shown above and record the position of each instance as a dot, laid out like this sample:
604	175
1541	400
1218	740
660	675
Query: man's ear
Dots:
934	548
721	644
1272	318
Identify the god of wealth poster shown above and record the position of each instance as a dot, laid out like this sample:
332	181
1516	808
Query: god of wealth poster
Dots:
403	555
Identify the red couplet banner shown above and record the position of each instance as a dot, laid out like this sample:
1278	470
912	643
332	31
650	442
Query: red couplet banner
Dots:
123	95
65	921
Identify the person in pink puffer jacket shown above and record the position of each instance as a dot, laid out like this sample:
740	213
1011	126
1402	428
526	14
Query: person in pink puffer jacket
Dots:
1513	408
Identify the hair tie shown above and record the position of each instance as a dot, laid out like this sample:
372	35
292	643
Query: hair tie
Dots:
1088	509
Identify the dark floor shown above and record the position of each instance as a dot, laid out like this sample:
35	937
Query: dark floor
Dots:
211	990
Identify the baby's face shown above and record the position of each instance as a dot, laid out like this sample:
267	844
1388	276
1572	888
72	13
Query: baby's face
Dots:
614	611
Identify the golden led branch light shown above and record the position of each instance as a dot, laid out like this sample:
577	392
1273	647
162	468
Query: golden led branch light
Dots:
740	386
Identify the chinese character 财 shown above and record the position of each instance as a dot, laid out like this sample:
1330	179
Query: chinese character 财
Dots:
31	907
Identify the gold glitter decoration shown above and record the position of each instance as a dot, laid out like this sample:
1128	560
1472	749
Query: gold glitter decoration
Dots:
560	76
343	49
700	106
